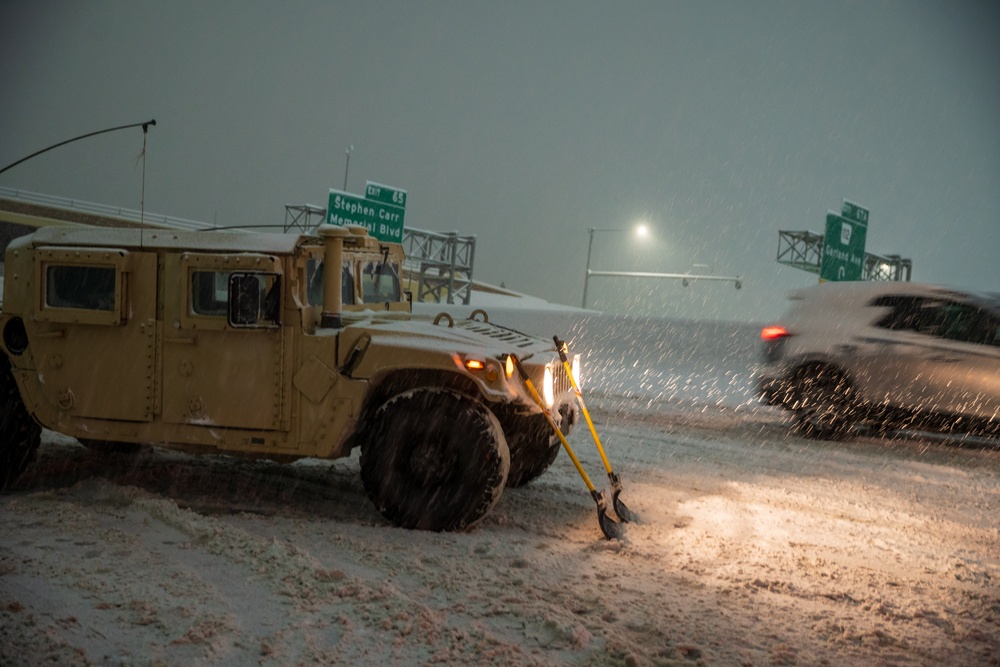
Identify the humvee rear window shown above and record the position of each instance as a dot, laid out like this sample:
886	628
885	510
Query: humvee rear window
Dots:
85	287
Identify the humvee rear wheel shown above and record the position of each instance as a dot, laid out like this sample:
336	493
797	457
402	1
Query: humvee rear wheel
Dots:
533	447
19	434
110	447
433	459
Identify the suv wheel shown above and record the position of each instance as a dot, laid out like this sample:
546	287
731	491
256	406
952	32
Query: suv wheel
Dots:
19	434
434	459
823	404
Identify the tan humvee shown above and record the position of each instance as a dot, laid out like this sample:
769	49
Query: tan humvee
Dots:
247	344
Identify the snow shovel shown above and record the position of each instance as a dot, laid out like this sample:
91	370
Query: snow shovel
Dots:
610	527
621	510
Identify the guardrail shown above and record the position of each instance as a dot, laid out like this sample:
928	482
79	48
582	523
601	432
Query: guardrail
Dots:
102	209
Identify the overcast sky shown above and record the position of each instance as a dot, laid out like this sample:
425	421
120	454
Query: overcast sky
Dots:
527	123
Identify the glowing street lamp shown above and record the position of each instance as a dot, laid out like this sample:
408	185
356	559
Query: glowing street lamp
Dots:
641	230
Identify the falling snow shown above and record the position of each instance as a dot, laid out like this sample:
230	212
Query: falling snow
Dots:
755	547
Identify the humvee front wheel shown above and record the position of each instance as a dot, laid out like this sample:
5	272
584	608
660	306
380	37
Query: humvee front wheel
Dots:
433	459
19	433
533	447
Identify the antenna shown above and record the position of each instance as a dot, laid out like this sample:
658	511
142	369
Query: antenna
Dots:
144	126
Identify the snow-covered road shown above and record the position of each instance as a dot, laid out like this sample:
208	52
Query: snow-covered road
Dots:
756	547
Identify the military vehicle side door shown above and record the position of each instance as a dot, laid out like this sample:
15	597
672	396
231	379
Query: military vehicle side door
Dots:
223	341
95	329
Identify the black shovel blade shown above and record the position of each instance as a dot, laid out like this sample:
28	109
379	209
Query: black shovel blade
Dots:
623	512
612	529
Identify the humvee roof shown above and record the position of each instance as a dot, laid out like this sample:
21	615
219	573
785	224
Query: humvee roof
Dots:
156	239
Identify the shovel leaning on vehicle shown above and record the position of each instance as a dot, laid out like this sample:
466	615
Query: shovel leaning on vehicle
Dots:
623	512
611	528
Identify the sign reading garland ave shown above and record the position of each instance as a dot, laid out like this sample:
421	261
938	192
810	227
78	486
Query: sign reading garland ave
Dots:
844	244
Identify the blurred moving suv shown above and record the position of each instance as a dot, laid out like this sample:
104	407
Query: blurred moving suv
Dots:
885	356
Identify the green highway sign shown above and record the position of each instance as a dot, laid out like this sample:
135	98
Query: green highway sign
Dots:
385	194
843	255
852	211
384	221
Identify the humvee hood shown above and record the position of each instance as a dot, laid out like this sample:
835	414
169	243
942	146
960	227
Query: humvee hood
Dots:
455	336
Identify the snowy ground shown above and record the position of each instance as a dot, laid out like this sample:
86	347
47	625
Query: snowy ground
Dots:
755	547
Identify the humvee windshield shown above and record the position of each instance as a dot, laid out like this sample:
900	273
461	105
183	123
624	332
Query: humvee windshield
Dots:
379	282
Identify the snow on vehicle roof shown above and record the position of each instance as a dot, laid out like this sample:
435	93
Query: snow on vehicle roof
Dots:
209	241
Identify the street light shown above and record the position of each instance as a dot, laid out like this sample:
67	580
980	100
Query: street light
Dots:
347	165
640	230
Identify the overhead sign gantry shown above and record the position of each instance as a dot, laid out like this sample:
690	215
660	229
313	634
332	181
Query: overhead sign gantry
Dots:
844	257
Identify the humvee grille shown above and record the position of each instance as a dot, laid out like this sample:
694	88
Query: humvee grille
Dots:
511	336
560	381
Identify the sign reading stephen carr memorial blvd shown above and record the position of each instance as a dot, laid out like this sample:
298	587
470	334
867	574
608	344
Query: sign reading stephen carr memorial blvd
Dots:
381	211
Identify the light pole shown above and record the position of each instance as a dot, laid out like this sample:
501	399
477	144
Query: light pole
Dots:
640	230
347	165
643	230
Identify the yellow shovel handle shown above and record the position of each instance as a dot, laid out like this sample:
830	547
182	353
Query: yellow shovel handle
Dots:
548	417
586	415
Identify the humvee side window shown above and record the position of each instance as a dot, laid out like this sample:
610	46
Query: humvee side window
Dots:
85	287
380	282
254	299
210	292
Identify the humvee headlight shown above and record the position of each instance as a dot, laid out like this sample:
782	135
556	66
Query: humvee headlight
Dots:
508	366
547	391
474	364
